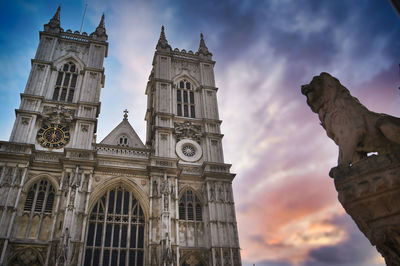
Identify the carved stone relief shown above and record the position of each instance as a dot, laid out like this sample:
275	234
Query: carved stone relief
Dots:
187	130
59	114
181	66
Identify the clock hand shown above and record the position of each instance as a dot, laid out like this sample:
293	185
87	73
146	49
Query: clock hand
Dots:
53	136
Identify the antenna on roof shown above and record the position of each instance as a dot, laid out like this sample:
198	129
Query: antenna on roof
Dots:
83	18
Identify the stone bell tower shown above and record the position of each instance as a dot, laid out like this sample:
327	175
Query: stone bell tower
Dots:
60	104
46	167
191	197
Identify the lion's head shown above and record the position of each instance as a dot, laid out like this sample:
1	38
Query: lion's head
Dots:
321	90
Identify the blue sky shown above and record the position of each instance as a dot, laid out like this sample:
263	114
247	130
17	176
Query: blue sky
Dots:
287	207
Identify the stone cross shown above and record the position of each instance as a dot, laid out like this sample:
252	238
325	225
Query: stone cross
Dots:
126	114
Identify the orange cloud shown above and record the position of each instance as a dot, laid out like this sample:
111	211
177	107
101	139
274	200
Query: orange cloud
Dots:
289	219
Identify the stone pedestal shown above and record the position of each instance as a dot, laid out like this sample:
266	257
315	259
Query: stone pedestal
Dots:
369	191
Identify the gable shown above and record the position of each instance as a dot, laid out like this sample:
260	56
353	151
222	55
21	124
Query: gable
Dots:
123	135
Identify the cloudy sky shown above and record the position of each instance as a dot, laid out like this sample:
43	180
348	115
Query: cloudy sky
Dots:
287	208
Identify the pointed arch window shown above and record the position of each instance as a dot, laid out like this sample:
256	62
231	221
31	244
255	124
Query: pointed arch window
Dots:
190	207
115	234
40	197
185	99
66	83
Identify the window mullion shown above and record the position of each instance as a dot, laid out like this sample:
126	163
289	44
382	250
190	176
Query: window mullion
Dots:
62	86
94	241
119	222
32	210
129	226
137	232
104	228
69	86
46	193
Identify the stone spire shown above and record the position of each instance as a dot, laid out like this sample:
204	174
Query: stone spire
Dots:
100	33
162	41
54	23
203	50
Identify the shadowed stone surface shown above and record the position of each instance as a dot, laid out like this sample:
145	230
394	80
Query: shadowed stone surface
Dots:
368	187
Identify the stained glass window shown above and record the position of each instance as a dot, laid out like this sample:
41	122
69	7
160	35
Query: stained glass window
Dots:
115	234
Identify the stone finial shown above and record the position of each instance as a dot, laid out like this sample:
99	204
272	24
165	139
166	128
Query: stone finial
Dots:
100	33
162	43
203	50
126	114
54	23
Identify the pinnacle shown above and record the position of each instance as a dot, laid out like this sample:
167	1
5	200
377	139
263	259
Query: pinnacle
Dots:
100	32
162	41
101	24
57	14
203	47
162	35
54	23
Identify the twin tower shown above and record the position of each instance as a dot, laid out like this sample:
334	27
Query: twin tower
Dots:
67	200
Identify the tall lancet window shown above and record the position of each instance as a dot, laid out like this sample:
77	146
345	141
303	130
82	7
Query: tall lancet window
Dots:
190	207
116	230
185	99
40	198
66	83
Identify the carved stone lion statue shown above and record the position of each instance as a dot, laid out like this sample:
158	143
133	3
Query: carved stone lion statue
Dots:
356	130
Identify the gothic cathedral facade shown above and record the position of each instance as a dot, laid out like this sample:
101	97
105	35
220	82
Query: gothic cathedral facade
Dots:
67	200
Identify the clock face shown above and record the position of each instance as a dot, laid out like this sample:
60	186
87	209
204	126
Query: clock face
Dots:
53	136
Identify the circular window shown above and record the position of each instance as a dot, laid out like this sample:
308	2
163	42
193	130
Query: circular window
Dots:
188	150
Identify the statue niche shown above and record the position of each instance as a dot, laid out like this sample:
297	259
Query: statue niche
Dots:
368	186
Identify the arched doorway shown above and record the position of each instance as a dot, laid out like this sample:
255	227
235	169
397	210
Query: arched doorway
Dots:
116	230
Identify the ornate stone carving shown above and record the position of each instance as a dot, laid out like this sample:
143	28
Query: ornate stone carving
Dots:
164	187
57	114
221	196
25	120
8	175
155	188
168	254
187	130
368	187
354	128
212	191
27	256
154	256
62	255
227	257
218	257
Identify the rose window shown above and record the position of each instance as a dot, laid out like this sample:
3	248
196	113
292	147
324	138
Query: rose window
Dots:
188	150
